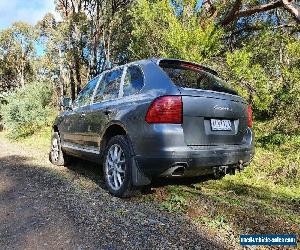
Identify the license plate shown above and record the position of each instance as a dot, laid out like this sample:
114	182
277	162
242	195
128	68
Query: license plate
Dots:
220	125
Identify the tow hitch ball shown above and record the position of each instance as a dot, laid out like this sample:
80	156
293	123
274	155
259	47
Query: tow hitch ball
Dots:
240	166
221	171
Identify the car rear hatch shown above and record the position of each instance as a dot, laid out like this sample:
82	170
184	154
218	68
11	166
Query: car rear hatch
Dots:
213	114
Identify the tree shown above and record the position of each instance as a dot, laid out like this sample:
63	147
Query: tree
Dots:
83	41
161	30
249	44
16	54
253	44
228	12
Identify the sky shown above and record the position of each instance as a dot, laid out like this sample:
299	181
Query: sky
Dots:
29	11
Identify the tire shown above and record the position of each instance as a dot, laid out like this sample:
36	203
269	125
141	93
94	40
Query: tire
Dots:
117	166
56	155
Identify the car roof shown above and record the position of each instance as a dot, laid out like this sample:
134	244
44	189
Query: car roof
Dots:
158	60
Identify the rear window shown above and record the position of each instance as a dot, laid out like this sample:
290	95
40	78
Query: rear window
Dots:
194	76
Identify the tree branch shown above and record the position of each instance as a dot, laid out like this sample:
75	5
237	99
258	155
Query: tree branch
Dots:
230	16
235	14
293	8
259	8
289	5
261	27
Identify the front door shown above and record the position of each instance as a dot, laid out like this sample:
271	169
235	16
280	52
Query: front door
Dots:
102	109
74	126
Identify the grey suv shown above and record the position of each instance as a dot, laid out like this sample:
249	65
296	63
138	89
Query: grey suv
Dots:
155	118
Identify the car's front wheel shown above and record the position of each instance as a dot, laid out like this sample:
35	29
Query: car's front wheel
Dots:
57	156
117	167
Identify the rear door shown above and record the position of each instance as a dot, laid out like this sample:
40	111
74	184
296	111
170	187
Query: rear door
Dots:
213	114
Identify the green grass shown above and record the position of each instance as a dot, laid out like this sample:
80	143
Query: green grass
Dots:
264	198
219	222
40	139
176	201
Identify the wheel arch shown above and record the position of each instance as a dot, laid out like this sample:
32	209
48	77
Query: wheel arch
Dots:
117	128
55	128
113	129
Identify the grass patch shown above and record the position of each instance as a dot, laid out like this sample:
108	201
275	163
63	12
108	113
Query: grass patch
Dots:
264	198
41	139
176	200
218	223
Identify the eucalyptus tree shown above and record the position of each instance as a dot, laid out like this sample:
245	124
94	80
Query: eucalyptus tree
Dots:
53	64
17	51
253	44
89	28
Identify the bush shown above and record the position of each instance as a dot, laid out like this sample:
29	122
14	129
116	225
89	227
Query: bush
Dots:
3	101
28	109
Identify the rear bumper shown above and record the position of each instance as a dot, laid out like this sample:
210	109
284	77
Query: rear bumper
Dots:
198	160
164	145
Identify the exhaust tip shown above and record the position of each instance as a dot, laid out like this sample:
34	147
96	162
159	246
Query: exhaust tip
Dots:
179	171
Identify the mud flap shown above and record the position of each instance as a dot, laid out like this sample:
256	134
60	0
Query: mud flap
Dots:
138	177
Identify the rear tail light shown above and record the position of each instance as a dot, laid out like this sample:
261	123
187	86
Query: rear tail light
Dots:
250	116
165	109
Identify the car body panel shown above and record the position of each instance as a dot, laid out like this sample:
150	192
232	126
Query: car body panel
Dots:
157	147
200	108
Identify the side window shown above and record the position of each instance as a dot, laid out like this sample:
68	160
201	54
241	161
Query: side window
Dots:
85	95
109	86
134	80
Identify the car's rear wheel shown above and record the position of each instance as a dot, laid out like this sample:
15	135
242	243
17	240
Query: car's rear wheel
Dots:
57	156
117	167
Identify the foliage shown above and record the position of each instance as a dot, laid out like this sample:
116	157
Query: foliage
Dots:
249	78
159	31
28	109
288	98
266	71
176	202
16	55
255	49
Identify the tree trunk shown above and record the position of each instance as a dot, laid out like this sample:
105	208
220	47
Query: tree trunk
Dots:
77	72
62	82
72	84
21	75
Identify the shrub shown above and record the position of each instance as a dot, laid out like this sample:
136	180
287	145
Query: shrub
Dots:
159	31
3	96
28	109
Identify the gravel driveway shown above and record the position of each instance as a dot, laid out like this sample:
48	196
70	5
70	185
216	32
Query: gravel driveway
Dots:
47	207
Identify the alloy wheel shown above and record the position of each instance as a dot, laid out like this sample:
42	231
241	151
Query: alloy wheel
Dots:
55	150
115	167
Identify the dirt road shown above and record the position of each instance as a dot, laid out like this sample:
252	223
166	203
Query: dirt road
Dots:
46	207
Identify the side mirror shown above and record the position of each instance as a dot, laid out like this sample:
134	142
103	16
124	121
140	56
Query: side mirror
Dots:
66	103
